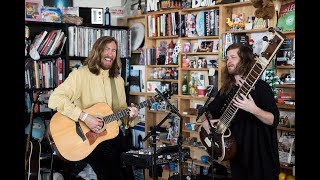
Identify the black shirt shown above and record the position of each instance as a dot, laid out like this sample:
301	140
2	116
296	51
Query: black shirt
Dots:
257	149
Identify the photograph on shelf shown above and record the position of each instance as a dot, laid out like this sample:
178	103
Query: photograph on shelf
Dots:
152	85
32	10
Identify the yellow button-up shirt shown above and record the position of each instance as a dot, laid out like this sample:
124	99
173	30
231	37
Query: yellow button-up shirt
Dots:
82	89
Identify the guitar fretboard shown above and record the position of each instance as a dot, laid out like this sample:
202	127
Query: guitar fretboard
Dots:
126	112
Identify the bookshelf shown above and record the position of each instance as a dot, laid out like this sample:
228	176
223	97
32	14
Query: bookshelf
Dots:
184	102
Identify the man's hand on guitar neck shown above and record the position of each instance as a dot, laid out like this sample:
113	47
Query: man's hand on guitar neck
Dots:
94	123
133	112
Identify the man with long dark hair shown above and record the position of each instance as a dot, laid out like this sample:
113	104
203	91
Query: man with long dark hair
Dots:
254	125
95	82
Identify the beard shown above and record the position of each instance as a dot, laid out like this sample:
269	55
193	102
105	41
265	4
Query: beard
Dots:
234	70
105	65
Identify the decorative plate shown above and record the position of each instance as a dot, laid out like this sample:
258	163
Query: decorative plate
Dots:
200	23
137	35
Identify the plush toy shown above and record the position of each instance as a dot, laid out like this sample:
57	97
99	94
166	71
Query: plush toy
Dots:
264	8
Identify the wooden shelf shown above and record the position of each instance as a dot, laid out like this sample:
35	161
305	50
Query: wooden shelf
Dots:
248	31
282	128
200	37
160	66
196	69
135	17
193	97
199	53
286	106
285	67
285	86
289	32
164	37
162	11
237	4
137	52
163	80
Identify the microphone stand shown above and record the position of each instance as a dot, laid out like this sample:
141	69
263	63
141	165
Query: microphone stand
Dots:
174	110
153	133
204	110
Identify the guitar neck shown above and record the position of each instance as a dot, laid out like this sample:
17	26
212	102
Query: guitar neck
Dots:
126	111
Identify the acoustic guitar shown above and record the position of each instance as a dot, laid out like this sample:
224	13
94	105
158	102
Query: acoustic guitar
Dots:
224	145
73	141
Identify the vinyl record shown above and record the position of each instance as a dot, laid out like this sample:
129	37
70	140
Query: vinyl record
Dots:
137	35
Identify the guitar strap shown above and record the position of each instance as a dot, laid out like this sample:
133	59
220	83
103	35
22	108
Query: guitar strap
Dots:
115	104
115	101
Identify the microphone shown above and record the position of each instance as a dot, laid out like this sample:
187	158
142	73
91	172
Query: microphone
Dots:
172	107
204	108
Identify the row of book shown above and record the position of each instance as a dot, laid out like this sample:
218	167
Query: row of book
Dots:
49	43
44	74
205	23
81	40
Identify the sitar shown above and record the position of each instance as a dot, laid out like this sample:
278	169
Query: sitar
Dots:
224	145
73	141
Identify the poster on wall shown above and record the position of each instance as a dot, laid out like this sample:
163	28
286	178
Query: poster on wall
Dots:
58	3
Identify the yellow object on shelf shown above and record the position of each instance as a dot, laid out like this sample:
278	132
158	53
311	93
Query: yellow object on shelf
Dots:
290	177
282	176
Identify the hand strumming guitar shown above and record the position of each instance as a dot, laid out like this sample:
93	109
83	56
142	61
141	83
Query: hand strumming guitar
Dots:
94	123
205	123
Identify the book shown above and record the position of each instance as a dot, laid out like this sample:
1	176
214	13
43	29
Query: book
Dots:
286	53
285	148
141	68
134	80
286	19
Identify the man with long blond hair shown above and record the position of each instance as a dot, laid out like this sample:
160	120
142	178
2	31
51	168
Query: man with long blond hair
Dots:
95	82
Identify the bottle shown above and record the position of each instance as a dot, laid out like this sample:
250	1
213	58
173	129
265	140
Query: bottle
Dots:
192	85
185	87
107	17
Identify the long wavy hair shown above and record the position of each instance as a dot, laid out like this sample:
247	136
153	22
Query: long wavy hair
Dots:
243	67
94	59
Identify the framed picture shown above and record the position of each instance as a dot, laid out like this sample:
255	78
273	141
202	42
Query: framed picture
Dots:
32	10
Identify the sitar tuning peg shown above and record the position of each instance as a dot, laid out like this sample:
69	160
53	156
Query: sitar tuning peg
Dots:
271	29
265	38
